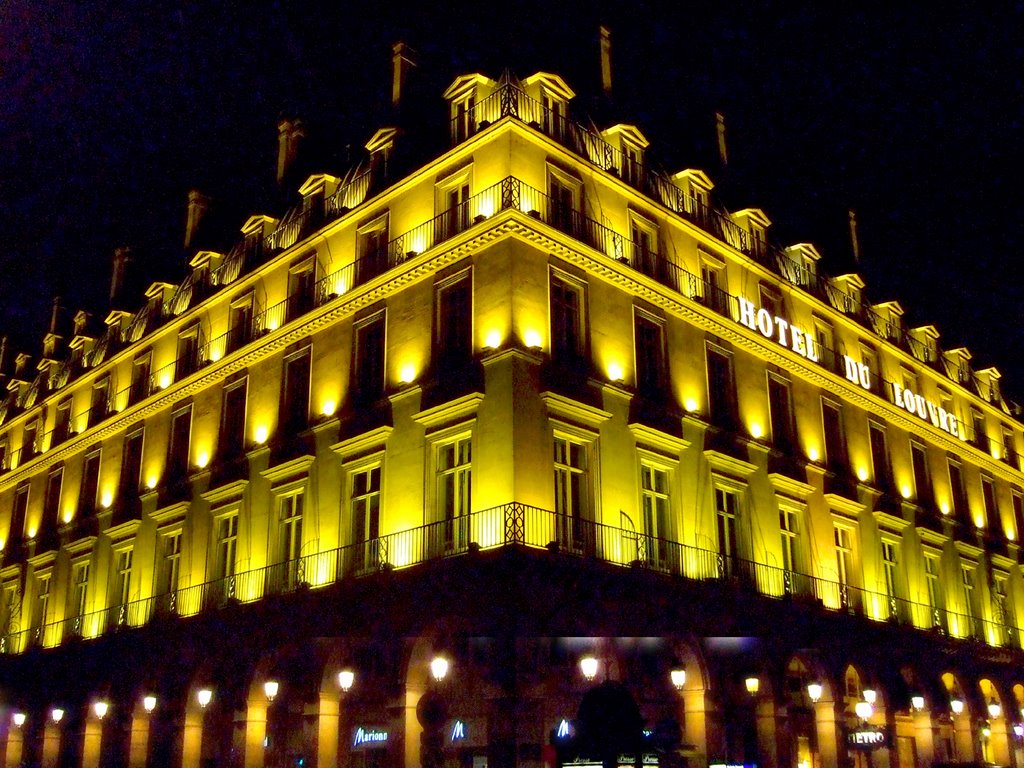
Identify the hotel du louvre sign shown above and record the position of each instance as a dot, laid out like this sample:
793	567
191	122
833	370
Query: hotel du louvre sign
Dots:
791	336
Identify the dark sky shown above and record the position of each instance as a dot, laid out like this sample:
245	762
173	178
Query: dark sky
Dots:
909	113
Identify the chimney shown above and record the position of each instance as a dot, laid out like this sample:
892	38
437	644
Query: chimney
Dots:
723	152
606	61
198	205
854	239
122	261
290	134
55	316
402	61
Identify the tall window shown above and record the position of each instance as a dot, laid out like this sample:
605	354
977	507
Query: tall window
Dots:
19	513
988	495
42	601
890	564
227	543
98	401
721	389
178	445
301	279
654	501
1000	602
295	392
123	577
90	484
454	491
170	563
141	371
967	584
289	515
922	479
844	555
131	466
454	322
727	509
366	517
651	373
456	209
51	501
957	491
30	441
232	426
572	493
563	204
463	118
931	580
240	323
372	242
188	353
980	434
835	445
789	528
61	423
712	288
644	237
1018	510
566	319
780	408
79	589
369	360
880	456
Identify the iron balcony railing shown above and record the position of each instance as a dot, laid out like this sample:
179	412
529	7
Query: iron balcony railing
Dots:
521	525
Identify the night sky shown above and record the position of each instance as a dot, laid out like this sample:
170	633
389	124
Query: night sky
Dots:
910	114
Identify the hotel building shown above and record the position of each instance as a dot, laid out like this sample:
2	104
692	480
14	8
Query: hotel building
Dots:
524	453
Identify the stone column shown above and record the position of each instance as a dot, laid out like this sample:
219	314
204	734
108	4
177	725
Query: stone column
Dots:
828	734
51	745
138	741
767	733
924	738
328	717
255	734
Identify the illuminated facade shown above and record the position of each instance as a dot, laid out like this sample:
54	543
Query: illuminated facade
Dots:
527	402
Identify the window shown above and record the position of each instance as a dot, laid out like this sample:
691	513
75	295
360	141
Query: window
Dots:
227	541
651	373
957	491
240	322
654	504
140	380
301	283
566	318
771	299
463	118
1000	605
289	535
643	235
780	408
366	518
372	245
61	423
967	584
187	362
232	425
1018	511
369	360
295	392
844	556
454	491
90	484
131	466
51	500
727	507
563	193
880	456
869	357
1009	449
554	115
454	322
572	493
170	563
835	445
890	564
978	433
988	495
30	441
178	445
19	513
123	577
721	389
79	591
922	480
824	339
932	585
789	528
42	601
633	164
712	288
455	207
4	464
98	401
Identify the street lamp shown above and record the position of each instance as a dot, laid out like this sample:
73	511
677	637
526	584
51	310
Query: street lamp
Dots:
917	702
957	705
149	703
994	710
204	696
864	710
870	696
678	677
345	680
18	718
753	685
100	708
270	688
439	668
588	666
56	714
814	691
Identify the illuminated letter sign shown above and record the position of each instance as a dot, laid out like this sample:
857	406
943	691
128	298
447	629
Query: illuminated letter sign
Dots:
369	736
795	338
925	409
562	732
866	738
458	731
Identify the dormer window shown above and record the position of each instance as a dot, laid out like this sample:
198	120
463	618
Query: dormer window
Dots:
463	118
554	117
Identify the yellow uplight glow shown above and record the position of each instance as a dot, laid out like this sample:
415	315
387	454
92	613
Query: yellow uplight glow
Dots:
690	404
1010	535
107	499
407	374
32	532
486	207
151	482
944	508
905	491
812	453
261	434
979	522
68	516
614	371
532	339
493	340
862	474
165	380
756	430
203	459
328	408
215	355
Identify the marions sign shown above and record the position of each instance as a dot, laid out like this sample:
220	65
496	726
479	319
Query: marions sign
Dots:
794	337
362	736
